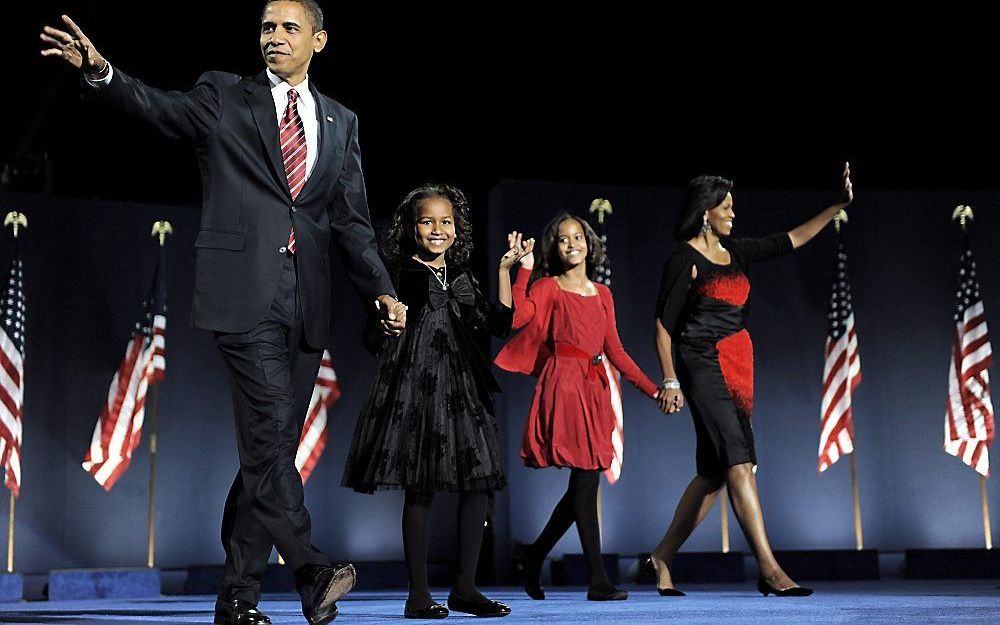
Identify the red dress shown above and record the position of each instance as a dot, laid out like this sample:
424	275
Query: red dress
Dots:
571	419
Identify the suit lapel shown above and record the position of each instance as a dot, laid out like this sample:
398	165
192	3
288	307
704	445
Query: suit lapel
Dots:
324	136
258	97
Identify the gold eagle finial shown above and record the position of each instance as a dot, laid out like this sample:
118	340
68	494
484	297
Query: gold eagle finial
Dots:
600	206
19	220
162	229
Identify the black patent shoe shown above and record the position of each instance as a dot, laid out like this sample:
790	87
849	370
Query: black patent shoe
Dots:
433	611
609	593
321	587
664	592
795	591
239	612
483	607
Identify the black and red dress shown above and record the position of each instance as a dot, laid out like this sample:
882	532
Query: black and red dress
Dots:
713	354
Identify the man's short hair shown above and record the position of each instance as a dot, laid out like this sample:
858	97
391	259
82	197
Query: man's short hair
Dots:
313	12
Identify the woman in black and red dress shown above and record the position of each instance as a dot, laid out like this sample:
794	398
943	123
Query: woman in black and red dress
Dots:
707	360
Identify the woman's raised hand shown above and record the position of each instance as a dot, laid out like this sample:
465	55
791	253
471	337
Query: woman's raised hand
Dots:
848	195
520	250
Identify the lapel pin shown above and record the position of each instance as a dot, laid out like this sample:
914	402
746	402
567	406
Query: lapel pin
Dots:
329	119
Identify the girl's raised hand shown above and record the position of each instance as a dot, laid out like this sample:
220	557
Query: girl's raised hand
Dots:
520	250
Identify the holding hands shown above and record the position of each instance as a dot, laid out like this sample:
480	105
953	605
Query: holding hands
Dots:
74	47
520	251
393	314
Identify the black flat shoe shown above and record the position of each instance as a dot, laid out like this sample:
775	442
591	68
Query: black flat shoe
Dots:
239	612
532	575
795	591
607	594
433	611
484	607
664	592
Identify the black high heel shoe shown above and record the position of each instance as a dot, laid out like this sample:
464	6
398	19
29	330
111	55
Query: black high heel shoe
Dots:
532	574
795	591
664	592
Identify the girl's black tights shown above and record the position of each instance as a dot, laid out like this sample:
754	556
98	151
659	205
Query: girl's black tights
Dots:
471	517
579	505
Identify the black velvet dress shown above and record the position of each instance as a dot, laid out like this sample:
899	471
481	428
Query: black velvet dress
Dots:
713	354
429	422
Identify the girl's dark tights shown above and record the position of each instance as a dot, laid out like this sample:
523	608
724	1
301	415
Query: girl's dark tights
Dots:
579	505
472	509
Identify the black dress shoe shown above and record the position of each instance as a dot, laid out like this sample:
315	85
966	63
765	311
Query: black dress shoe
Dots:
606	594
483	607
433	611
795	591
239	612
321	587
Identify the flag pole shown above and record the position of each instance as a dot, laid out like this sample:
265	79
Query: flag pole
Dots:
724	509
859	539
150	556
10	534
986	513
160	230
600	513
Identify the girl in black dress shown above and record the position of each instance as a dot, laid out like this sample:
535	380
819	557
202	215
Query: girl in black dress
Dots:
429	423
707	361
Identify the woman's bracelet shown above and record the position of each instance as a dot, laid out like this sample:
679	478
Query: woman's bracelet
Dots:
671	384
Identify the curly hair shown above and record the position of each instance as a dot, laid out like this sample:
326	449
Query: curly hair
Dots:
399	241
547	261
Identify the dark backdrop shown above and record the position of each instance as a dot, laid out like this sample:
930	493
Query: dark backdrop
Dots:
85	280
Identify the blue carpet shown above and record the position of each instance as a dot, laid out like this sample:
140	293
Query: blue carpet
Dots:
890	601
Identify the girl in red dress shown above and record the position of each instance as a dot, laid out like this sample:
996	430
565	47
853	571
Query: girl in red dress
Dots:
569	322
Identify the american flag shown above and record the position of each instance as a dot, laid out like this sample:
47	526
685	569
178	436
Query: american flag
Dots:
326	391
603	275
841	371
12	373
968	426
119	430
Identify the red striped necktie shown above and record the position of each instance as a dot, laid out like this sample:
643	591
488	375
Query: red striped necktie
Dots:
293	152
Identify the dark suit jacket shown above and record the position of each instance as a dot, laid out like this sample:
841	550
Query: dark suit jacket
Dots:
247	207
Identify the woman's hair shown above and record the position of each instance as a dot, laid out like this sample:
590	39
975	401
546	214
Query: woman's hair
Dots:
399	241
547	261
703	193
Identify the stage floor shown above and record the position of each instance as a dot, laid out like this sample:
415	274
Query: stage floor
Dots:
889	601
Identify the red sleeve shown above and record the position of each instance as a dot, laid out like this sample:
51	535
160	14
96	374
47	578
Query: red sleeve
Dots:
616	353
525	305
528	351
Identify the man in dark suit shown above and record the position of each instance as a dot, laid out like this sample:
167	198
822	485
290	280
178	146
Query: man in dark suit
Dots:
281	176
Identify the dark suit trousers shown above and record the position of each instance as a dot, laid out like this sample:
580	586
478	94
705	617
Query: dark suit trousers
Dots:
272	372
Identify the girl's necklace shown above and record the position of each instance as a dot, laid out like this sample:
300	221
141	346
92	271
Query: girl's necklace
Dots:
437	276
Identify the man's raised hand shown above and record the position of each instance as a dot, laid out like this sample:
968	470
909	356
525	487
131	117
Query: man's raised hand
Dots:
72	46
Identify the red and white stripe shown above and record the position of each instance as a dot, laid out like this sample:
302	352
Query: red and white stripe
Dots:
11	406
613	472
119	430
314	432
841	375
969	428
